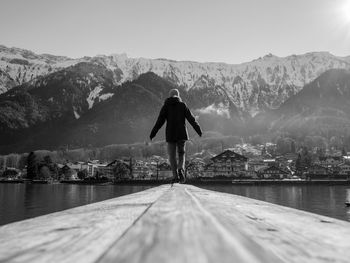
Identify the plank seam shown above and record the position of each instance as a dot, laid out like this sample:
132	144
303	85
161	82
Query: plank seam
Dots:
224	232
132	225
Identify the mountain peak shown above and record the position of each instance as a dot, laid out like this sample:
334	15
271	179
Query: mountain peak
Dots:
270	55
121	56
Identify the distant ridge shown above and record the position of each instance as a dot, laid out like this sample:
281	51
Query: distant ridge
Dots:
264	83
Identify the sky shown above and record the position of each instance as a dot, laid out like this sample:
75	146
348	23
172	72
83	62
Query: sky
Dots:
231	31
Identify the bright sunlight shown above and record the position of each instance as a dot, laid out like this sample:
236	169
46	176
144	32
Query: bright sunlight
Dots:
345	11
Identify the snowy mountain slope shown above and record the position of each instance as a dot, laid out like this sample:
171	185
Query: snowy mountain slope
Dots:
81	106
253	87
66	95
321	108
18	66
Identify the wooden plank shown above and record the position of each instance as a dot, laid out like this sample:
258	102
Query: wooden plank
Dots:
182	223
80	234
293	235
177	228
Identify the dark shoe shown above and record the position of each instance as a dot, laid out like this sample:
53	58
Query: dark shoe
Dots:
182	176
175	180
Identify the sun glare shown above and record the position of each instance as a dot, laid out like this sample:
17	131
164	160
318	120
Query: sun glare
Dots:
345	10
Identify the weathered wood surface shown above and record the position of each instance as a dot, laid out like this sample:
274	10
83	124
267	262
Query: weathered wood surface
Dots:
80	234
177	224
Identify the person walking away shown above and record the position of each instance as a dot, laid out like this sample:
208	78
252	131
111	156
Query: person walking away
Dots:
175	112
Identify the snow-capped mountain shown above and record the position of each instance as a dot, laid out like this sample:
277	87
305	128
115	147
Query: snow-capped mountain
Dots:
321	108
81	106
18	66
251	87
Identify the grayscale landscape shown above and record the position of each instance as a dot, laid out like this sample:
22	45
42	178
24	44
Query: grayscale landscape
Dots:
174	131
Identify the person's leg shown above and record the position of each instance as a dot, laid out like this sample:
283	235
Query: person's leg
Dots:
172	157
181	153
181	164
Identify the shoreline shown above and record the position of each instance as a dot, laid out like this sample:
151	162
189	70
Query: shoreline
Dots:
190	182
239	182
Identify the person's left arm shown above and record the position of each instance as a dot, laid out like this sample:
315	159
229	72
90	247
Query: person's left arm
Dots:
192	120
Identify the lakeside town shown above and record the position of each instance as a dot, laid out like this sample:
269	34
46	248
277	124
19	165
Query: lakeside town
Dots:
242	163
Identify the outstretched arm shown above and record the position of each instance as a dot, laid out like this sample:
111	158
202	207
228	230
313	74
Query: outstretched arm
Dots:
191	119
159	123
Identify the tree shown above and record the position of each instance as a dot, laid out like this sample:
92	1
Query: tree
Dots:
320	152
44	172
51	166
9	173
343	152
121	170
304	160
82	174
292	147
32	166
283	145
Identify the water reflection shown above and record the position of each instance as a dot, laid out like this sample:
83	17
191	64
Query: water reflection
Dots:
319	199
21	201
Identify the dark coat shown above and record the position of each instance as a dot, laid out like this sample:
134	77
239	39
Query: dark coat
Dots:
175	112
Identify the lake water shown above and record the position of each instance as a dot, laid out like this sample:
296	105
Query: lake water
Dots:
21	201
320	199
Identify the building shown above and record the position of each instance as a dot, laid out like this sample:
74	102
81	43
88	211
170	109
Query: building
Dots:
105	170
208	170
78	166
272	172
317	171
229	164
141	169
270	162
68	174
254	166
11	173
164	171
118	169
344	168
330	161
95	166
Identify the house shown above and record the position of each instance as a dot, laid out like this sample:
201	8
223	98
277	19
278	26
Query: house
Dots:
291	156
91	166
344	169
346	159
94	167
317	169
78	166
11	173
271	162
117	169
105	170
208	170
272	172
330	161
229	164
141	169
254	166
68	174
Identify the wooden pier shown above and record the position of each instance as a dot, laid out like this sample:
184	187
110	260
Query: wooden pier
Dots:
179	223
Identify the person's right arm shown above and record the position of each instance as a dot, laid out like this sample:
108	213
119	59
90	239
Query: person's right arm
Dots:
159	123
